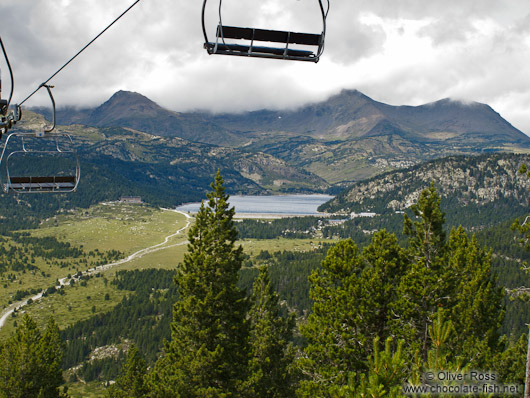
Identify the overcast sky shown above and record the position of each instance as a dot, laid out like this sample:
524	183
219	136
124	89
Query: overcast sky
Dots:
401	52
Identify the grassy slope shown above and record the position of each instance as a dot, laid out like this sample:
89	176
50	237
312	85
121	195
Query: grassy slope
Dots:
124	227
127	228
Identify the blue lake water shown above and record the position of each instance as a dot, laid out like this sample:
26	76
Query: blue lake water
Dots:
296	205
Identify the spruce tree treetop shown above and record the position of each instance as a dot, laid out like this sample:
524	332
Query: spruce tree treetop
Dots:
30	364
270	367
426	236
208	353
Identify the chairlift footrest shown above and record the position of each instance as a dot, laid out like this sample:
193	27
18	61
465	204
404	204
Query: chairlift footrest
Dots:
261	51
41	184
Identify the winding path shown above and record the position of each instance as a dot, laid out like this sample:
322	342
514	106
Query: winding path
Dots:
140	253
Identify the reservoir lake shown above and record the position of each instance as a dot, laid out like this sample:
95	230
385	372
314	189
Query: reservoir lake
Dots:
274	205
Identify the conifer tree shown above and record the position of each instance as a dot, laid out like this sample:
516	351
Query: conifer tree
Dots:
336	330
352	301
272	355
510	365
385	263
524	229
474	300
426	236
439	357
393	292
132	381
51	350
31	362
385	376
453	274
422	289
208	353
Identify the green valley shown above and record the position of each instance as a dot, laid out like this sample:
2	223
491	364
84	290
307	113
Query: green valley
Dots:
381	262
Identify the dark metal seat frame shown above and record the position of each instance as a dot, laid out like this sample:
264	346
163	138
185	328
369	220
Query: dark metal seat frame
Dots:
39	184
261	50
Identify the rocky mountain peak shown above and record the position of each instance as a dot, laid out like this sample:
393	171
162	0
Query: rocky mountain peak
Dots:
125	104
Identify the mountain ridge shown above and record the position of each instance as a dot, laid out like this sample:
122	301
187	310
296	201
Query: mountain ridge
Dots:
347	114
343	139
176	164
464	180
353	114
136	111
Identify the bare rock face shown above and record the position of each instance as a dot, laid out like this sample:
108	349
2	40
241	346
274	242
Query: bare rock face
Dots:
465	180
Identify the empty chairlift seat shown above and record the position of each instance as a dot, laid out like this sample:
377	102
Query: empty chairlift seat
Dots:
264	43
43	152
31	163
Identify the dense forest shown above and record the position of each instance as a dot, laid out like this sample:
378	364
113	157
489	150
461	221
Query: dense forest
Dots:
345	320
144	314
508	253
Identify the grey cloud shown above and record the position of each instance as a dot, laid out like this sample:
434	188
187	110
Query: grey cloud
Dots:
157	49
449	29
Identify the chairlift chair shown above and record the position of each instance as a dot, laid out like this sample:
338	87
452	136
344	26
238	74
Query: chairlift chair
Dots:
256	42
19	149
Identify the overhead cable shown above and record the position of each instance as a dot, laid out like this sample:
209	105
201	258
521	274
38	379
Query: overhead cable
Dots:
80	51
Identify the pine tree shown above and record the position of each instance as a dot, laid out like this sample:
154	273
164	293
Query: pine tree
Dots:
336	330
385	376
132	381
426	236
272	355
353	295
422	289
474	300
31	362
453	274
208	353
388	291
524	229
385	264
51	349
510	365
439	357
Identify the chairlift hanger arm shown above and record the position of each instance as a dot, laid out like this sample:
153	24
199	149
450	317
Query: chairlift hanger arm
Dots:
324	25
6	107
8	119
50	129
203	25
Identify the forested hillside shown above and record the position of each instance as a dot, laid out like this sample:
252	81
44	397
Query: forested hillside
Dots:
163	165
393	300
477	190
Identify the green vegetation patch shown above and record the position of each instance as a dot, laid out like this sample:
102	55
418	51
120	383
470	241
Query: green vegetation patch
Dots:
115	226
34	260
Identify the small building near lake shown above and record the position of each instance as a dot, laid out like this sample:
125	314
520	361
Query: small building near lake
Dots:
131	199
362	214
